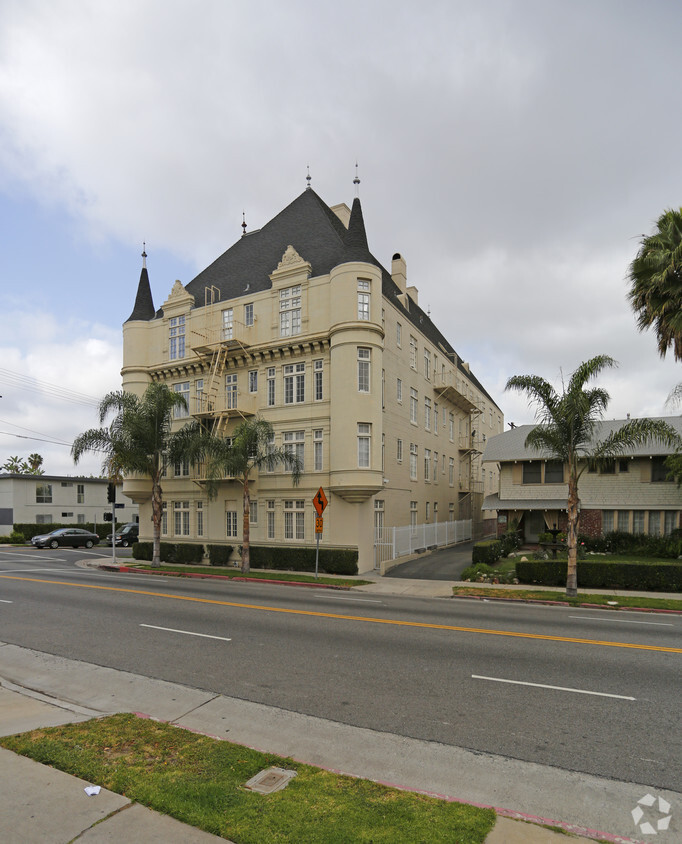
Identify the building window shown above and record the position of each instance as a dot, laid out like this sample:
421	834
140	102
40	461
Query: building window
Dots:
451	471
271	386
452	426
669	521
554	472
200	518
435	467
228	324
253	512
398	334
659	471
638	521
68	515
182	389
317	449
248	314
609	468
181	518
413	461
427	364
80	494
80	519
363	299
399	391
253	380
290	311
44	519
43	493
271	518
654	522
164	518
623	521
399	450
176	338
364	433
181	469
531	473
413	406
427	413
427	464
317	374
413	352
231	391
363	370
199	395
607	521
294	443
231	524
435	511
435	419
413	516
294	383
451	512
428	511
623	465
294	519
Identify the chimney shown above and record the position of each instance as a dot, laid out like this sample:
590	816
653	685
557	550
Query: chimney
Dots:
413	293
399	272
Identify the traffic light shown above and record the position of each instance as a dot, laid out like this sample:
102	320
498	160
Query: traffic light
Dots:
111	493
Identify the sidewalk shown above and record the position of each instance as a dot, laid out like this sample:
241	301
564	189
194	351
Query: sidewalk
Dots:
44	805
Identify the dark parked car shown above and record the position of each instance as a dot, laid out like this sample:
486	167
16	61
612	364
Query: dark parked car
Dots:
66	537
126	535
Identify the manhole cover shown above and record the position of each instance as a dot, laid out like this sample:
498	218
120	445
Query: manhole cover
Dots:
269	780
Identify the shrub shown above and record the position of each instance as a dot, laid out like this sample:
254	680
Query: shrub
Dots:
594	574
510	542
13	538
145	550
331	561
189	552
489	551
481	571
219	555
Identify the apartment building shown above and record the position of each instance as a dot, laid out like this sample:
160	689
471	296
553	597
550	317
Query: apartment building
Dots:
299	323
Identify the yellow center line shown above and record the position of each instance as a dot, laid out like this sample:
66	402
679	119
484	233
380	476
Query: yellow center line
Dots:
420	624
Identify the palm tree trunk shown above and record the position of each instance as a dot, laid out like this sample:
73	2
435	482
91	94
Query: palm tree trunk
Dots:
157	511
246	557
573	514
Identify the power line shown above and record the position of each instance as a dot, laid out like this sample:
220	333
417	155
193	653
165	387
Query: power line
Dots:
37	439
34	385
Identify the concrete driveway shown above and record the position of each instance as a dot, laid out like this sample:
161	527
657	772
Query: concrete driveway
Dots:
442	564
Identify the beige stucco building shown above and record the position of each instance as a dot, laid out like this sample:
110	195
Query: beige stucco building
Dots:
299	323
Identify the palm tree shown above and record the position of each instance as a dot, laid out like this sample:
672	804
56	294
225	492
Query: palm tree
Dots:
250	447
136	441
565	431
656	276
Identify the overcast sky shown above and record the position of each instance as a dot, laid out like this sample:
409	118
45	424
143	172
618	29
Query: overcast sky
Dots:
513	152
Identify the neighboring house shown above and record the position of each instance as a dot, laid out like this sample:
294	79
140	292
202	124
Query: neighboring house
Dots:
48	499
299	323
632	494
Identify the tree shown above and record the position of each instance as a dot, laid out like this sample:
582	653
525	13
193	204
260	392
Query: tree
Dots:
136	441
656	275
24	467
14	465
35	462
566	429
250	447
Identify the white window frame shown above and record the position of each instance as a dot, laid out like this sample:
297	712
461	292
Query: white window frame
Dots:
317	449
290	311
253	380
231	395
182	388
231	524
413	461
294	443
294	383
364	366
364	445
181	518
228	324
399	450
318	393
248	314
271	386
399	390
294	519
176	337
414	405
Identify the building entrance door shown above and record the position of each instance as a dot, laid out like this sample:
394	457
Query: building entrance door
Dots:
533	525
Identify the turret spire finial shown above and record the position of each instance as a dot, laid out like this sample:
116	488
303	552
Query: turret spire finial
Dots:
356	180
243	223
144	254
308	178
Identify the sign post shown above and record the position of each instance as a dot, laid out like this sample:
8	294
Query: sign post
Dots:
319	503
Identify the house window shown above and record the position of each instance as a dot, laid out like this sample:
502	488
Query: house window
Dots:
317	375
659	471
270	512
413	461
228	324
290	311
638	521
294	383
231	524
531	473
669	521
413	517
607	521
623	521
231	391
80	494
181	518
43	493
253	380
623	466
181	469
200	518
413	406
413	352
398	334
199	395
363	370
554	472
654	522
271	386
364	432
182	389
399	450
294	519
317	449
248	314
363	299
294	443
427	464
427	364
609	468
427	413
176	338
253	512
399	391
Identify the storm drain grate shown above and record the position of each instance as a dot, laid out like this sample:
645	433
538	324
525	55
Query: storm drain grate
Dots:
269	780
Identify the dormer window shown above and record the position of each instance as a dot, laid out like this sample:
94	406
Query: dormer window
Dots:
176	338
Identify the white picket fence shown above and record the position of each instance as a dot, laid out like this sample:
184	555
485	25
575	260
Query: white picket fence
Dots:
393	542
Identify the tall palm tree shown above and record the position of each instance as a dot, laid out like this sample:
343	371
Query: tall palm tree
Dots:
136	441
656	275
250	447
565	432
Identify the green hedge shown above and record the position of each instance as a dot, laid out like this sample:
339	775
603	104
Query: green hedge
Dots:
29	530
331	561
652	577
219	555
489	551
170	552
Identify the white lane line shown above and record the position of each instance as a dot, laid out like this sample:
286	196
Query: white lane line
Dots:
6	602
359	600
555	688
622	620
186	632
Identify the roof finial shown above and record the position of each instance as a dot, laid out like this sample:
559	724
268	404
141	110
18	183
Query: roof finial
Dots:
356	180
243	223
308	178
144	255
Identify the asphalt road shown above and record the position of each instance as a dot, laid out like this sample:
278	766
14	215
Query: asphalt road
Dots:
441	564
583	690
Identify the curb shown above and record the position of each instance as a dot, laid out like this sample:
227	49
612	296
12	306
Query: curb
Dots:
565	604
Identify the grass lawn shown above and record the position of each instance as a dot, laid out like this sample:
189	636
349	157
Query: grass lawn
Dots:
258	574
200	781
582	598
